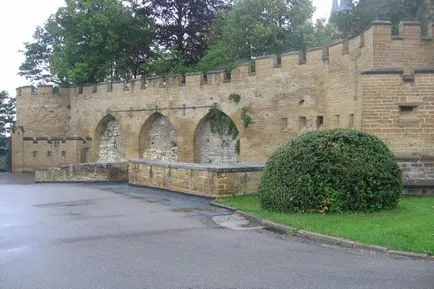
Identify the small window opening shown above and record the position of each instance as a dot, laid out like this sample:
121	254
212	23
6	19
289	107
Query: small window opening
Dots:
351	121
302	122
278	61
204	77
406	109
228	76
319	121
252	67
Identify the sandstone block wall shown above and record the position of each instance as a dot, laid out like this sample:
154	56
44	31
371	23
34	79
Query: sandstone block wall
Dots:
43	152
418	174
205	180
90	172
111	146
375	82
214	148
158	139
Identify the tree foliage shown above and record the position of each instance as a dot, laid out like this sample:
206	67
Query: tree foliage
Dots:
352	23
257	27
182	26
89	41
36	65
319	34
7	112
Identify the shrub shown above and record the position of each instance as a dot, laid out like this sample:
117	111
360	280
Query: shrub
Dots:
331	171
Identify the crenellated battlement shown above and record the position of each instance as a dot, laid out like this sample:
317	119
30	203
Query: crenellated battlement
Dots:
410	49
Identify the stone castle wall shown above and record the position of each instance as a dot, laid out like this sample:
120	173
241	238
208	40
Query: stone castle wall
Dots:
376	82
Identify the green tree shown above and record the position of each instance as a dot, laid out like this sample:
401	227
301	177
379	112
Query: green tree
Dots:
352	23
182	26
89	41
319	34
7	112
36	65
257	27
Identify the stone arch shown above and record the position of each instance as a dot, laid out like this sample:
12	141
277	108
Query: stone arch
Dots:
109	141
216	147
158	139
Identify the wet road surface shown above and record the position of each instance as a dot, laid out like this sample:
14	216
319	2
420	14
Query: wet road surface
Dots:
116	236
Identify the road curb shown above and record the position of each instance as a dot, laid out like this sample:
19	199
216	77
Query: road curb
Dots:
358	245
229	208
283	229
250	217
326	239
409	254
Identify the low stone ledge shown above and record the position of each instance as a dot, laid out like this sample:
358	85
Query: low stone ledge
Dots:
222	168
418	174
88	172
198	179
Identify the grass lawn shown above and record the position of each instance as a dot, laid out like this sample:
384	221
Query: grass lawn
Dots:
410	227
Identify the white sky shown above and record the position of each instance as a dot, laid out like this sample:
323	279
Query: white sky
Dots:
18	20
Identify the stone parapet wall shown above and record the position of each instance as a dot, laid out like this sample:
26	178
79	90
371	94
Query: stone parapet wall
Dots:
209	179
198	179
90	172
418	174
222	180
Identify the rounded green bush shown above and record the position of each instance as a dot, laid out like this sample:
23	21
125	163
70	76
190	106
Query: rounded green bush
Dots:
338	170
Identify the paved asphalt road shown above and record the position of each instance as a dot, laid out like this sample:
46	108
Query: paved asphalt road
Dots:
115	236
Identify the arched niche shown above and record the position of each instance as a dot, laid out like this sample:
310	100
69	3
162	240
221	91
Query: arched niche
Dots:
109	141
158	139
216	139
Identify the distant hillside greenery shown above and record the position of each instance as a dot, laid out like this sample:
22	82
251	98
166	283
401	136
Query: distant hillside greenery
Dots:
90	41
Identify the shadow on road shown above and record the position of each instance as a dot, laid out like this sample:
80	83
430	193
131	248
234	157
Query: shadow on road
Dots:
17	179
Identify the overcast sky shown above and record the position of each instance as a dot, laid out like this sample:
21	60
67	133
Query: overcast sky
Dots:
18	20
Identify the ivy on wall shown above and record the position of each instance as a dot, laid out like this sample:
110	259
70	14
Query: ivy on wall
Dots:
247	119
235	98
222	124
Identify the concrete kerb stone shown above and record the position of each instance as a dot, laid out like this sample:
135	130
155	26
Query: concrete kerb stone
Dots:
284	229
409	254
229	208
376	248
326	239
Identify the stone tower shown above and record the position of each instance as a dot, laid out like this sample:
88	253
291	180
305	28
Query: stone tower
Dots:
346	5
335	7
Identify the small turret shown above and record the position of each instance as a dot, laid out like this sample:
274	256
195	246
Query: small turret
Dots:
346	5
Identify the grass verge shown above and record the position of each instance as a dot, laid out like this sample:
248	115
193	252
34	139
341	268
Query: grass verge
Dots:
410	227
